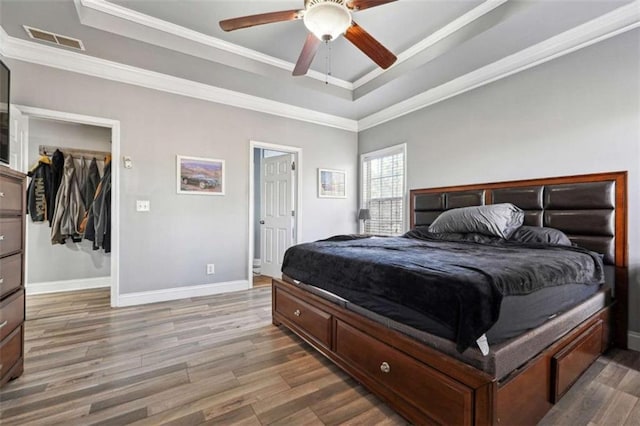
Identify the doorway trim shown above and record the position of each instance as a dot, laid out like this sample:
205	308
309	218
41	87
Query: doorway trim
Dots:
297	204
114	125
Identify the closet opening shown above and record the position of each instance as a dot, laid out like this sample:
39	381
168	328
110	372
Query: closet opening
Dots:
274	216
71	240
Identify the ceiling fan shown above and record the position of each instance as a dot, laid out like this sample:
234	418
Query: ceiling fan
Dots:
326	20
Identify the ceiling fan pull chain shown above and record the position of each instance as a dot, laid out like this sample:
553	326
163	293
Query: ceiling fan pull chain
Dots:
327	62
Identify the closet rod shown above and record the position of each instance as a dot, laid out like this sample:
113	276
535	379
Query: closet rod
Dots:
74	152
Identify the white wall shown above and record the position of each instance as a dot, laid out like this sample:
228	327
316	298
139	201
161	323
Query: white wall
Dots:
170	245
577	114
70	261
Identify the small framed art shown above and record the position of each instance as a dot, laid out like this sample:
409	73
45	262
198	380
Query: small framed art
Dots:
332	183
200	176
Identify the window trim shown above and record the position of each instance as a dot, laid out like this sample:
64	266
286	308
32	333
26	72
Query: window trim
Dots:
382	153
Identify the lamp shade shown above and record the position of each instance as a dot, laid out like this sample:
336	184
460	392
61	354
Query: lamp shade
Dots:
327	19
364	214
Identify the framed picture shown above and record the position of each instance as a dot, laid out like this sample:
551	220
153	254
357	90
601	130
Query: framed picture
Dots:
200	176
332	183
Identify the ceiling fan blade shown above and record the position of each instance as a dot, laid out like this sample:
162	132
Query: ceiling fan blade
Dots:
311	45
370	46
366	4
260	19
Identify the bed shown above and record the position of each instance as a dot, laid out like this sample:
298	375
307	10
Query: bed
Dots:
427	377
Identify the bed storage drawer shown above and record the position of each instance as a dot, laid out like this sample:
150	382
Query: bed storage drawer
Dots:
571	361
441	398
315	322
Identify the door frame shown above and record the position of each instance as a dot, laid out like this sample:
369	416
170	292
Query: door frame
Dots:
297	179
114	125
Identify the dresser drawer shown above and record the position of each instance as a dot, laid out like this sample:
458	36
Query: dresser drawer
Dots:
11	195
10	351
11	313
315	322
10	273
10	235
441	398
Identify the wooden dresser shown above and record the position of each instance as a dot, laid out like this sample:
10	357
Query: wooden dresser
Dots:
12	225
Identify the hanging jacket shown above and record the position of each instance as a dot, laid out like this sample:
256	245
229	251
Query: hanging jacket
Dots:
91	184
40	195
81	177
57	168
69	208
98	227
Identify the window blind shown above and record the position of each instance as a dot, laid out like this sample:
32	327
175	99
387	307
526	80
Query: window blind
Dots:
383	191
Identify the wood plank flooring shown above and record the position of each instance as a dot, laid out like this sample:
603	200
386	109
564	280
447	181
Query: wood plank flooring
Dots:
218	360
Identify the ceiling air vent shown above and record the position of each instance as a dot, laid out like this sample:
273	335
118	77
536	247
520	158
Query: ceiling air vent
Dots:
58	39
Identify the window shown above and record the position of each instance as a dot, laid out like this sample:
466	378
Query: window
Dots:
383	183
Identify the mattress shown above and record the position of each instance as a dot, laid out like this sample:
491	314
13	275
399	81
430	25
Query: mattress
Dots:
511	352
459	285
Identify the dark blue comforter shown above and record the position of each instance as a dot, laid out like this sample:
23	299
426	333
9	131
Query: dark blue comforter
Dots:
460	284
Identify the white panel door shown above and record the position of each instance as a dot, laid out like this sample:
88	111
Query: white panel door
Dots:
276	212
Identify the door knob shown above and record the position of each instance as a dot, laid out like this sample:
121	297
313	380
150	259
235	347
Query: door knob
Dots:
262	222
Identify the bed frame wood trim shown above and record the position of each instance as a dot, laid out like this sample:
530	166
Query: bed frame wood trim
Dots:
523	397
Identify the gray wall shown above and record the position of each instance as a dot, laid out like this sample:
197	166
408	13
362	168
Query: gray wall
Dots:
60	262
577	114
170	245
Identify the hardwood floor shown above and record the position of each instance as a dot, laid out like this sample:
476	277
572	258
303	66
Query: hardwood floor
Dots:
219	360
260	280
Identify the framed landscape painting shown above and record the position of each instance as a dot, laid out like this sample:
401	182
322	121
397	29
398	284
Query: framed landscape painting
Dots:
332	183
200	176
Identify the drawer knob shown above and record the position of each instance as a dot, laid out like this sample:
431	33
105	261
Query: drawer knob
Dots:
385	367
1	237
3	323
297	312
1	194
1	280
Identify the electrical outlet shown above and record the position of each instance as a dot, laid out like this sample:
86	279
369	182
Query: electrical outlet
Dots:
211	268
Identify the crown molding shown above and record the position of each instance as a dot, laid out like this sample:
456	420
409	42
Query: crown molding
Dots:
84	64
121	12
444	32
621	20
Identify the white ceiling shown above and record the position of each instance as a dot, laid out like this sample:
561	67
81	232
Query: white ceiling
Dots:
437	42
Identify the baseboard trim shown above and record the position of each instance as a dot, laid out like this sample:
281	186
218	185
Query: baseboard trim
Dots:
67	285
633	341
154	296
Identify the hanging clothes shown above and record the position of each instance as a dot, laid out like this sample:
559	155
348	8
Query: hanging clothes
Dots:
69	207
81	177
91	184
40	195
98	226
57	169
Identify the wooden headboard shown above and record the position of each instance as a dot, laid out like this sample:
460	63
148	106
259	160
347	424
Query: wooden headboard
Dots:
591	209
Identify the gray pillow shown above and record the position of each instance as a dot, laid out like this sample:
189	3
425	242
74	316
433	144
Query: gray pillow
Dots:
500	220
538	234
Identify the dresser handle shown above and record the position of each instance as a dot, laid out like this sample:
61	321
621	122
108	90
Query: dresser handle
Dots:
385	367
297	312
1	280
4	323
1	194
1	237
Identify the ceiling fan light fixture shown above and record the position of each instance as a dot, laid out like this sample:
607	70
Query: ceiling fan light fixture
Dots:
327	19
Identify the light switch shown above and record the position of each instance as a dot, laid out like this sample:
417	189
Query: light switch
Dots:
142	205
